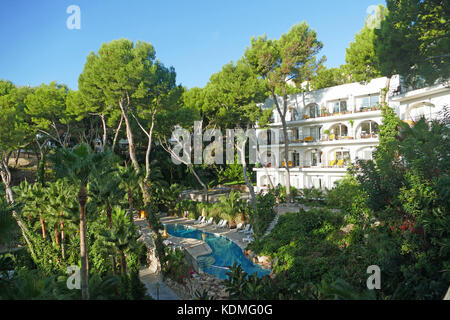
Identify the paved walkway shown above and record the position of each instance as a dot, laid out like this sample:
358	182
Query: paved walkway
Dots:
152	280
156	288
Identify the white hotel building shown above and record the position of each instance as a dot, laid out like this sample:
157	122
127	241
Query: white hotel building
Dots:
332	127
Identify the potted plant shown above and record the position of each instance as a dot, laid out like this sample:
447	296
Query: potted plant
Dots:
327	132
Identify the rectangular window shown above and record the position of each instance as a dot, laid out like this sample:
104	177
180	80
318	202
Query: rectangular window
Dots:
369	101
296	158
365	102
339	106
374	100
336	107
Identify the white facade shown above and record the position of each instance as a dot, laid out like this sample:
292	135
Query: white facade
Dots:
330	128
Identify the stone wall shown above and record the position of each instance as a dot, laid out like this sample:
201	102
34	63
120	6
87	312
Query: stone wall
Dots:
200	283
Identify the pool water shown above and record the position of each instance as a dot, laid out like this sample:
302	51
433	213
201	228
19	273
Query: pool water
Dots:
224	252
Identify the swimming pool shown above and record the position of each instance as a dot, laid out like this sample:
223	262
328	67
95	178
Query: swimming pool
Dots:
224	252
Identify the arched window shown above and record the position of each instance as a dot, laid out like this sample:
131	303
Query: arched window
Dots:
419	110
339	130
312	111
368	129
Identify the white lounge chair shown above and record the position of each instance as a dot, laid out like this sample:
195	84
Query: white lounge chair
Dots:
198	220
219	224
203	220
246	229
249	239
249	232
224	224
239	226
209	222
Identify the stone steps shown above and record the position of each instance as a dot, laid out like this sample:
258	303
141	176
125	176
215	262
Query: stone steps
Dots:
272	225
205	262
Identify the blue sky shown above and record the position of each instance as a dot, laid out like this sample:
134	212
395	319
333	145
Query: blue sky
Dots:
197	37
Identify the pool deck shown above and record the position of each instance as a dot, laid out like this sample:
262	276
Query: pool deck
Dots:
231	234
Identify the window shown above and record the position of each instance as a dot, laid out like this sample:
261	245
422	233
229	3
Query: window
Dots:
296	158
340	130
343	155
369	129
313	158
314	111
339	106
370	101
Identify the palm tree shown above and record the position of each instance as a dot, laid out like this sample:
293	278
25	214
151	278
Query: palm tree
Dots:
129	181
78	165
60	196
122	235
231	204
104	191
31	198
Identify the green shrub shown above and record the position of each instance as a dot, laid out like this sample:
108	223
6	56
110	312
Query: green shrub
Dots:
264	214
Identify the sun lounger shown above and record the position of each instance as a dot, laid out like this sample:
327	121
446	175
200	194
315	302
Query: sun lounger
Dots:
203	220
246	229
224	224
219	224
239	226
249	239
209	222
198	220
249	232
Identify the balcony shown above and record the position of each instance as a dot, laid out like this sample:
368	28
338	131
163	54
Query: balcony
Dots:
302	139
333	137
367	108
332	164
364	135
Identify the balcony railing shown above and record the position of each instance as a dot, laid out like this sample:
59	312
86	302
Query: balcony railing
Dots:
301	116
364	135
301	139
325	138
314	165
333	137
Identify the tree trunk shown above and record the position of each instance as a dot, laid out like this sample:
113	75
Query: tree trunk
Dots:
40	175
108	214
286	155
205	188
56	234
61	226
286	141
17	158
123	262
116	135
82	199
41	219
102	117
130	138
244	171
149	148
